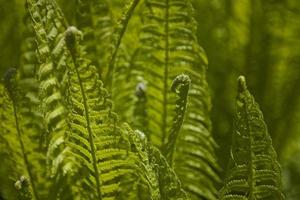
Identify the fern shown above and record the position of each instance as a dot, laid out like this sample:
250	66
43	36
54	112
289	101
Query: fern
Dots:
94	136
122	86
255	172
48	25
169	47
161	178
102	38
30	86
180	86
21	151
117	38
62	139
95	20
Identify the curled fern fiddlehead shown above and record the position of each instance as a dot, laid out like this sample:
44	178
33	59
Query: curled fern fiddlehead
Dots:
180	86
254	172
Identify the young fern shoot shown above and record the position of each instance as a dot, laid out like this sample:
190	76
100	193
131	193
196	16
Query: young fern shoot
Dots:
180	86
254	173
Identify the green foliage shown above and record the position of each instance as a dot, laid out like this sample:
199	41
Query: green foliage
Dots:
94	18
110	100
23	154
254	172
168	47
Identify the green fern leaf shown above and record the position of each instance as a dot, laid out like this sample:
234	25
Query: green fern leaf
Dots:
49	27
162	182
30	86
117	36
94	136
254	172
116	164
95	20
122	86
169	47
22	155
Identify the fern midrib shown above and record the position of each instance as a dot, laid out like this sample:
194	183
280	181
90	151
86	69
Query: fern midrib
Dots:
25	158
251	182
166	74
91	140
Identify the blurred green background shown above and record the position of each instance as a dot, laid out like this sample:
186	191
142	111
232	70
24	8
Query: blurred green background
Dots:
256	38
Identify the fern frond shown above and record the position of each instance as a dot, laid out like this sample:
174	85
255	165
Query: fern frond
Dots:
254	172
180	86
95	20
117	38
117	163
169	47
20	150
122	85
84	97
169	183
30	86
95	138
49	26
162	182
129	92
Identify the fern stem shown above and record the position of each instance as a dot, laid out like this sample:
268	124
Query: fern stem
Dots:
166	75
117	39
91	140
25	158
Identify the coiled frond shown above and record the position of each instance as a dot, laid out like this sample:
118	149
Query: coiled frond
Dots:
254	172
180	86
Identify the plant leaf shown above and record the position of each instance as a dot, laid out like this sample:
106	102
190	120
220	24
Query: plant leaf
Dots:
168	47
254	172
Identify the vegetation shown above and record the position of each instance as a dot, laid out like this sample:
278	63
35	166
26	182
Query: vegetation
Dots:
114	99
